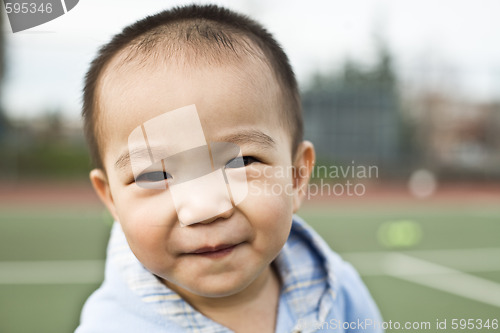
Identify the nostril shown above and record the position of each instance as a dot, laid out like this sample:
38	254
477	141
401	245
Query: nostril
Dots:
223	216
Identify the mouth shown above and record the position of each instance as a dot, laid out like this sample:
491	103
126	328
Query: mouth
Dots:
218	251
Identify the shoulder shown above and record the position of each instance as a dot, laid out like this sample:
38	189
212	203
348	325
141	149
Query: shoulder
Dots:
114	307
105	311
351	300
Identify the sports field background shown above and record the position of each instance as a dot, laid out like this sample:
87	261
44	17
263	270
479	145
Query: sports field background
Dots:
423	260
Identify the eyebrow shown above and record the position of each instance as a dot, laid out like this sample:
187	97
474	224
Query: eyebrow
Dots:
253	137
124	160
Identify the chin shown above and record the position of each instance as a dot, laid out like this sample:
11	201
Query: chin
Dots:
216	289
223	285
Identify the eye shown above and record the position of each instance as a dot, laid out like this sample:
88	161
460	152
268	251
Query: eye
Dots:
240	162
153	176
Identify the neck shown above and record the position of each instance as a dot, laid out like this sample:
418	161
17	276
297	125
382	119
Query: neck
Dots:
259	298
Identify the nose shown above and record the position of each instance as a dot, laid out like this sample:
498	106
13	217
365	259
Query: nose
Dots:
202	200
227	214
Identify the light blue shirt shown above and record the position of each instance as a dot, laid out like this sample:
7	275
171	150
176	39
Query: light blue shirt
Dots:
320	293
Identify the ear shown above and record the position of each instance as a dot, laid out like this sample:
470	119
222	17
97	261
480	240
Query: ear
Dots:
100	183
303	167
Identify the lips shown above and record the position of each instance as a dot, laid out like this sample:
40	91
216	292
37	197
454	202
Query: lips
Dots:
215	251
209	249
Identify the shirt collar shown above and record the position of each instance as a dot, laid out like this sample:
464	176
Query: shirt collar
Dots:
308	280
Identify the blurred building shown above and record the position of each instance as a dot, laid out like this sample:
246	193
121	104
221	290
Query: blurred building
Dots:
457	138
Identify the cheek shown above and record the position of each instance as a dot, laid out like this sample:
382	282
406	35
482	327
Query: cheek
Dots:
271	186
138	208
269	208
147	220
271	223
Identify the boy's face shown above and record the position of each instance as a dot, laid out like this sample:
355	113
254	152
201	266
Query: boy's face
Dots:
224	254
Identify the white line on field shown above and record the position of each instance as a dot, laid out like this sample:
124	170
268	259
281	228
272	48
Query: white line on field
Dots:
443	278
436	276
51	272
468	260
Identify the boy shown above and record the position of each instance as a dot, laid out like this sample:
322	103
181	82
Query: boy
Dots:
194	124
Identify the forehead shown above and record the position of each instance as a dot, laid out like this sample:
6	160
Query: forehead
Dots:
240	94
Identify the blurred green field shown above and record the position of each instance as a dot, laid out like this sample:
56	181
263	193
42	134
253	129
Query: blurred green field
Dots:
31	300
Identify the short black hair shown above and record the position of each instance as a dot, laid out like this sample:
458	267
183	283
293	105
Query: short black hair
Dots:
198	26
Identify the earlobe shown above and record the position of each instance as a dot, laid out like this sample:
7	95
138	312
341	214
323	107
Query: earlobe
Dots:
100	183
303	167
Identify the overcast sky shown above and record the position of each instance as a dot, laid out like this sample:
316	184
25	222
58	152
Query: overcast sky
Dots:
457	38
